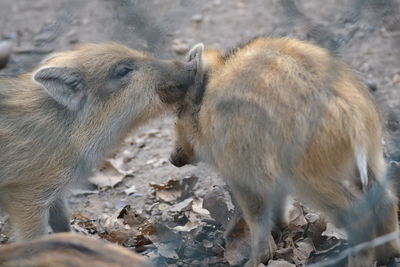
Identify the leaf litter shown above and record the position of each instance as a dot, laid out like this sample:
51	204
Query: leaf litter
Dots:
181	228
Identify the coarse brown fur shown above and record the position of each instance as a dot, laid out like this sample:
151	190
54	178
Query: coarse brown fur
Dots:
68	249
281	116
58	122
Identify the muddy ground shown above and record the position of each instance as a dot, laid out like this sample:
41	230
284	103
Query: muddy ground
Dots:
180	223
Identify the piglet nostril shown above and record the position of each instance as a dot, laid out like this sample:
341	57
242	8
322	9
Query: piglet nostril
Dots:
177	161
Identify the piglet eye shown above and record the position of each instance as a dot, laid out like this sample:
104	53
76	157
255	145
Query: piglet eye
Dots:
122	69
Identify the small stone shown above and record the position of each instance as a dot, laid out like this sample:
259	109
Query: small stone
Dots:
3	239
207	243
217	2
372	86
197	18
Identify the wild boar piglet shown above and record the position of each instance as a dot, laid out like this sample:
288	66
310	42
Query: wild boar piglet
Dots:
59	121
280	116
66	250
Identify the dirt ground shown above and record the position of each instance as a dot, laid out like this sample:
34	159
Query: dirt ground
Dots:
365	34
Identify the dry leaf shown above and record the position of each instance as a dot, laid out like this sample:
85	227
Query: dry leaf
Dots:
219	204
182	206
296	215
130	217
197	207
303	251
285	254
84	222
109	223
130	190
119	163
109	176
316	227
332	231
168	196
237	248
142	240
157	162
279	263
167	250
120	237
166	186
187	227
175	190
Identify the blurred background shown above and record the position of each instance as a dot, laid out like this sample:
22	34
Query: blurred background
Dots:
192	203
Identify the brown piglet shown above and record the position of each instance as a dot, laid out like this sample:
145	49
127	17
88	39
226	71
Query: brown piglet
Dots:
59	121
280	116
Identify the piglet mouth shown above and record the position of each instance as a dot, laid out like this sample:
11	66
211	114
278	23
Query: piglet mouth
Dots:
171	93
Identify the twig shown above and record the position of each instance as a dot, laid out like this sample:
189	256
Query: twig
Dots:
35	50
353	250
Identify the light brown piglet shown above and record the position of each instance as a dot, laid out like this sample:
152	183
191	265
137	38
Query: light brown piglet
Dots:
59	121
280	116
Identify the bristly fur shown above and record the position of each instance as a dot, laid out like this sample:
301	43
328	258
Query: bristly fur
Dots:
58	122
233	50
69	249
281	116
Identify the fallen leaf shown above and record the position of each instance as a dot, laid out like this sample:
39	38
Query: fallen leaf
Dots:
302	251
285	253
279	263
237	248
168	250
130	190
166	186
149	229
296	215
182	206
156	162
187	227
107	177
219	204
141	240
130	217
159	233
168	196
316	227
84	222
109	223
120	237
332	231
197	207
175	190
119	163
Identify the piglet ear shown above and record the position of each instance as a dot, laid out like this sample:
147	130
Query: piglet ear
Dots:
65	85
195	53
194	57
